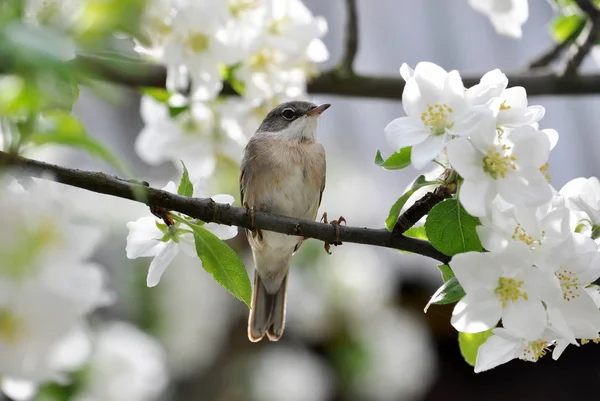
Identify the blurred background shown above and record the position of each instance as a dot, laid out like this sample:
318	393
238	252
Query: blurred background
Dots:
355	327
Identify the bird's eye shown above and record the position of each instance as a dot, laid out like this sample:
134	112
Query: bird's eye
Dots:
288	114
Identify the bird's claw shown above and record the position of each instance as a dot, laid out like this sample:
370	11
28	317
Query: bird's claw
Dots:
336	225
255	231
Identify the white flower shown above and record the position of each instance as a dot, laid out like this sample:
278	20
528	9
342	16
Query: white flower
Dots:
283	373
195	37
507	165
583	196
151	238
195	136
502	347
436	111
186	305
384	375
503	285
507	16
47	286
574	307
126	365
542	229
290	46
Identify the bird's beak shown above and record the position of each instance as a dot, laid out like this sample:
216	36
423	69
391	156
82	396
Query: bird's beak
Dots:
318	110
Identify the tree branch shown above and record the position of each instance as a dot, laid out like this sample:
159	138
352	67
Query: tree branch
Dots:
538	82
587	38
347	64
552	54
209	211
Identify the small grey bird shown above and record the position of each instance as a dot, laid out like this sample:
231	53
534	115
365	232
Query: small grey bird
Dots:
282	172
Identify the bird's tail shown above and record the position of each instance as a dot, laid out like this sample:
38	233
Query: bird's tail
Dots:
267	315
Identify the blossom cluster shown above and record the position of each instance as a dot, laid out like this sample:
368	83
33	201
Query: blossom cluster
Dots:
266	49
536	276
48	286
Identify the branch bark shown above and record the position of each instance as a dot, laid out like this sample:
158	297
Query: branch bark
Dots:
537	82
209	211
587	38
347	65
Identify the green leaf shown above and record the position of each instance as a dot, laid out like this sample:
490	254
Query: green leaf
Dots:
159	94
451	229
228	75
567	27
62	92
396	161
416	232
223	264
447	272
449	292
186	188
392	218
469	344
65	129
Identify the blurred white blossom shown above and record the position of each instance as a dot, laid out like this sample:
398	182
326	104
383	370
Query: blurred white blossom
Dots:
48	285
506	16
195	136
194	316
396	370
286	374
126	365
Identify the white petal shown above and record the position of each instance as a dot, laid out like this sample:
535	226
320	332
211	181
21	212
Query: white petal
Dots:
496	351
222	231
170	187
317	51
471	273
552	136
19	390
143	238
474	196
463	156
406	72
405	131
525	319
475	313
422	153
161	262
223	198
491	239
530	146
430	79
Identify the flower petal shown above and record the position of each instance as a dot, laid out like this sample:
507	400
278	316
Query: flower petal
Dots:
161	261
525	319
476	312
476	270
143	238
405	131
422	153
496	351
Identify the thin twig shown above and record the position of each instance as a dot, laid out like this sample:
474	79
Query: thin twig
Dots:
420	208
209	211
347	64
578	51
553	54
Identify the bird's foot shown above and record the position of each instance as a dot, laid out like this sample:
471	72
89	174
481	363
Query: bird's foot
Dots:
256	232
336	225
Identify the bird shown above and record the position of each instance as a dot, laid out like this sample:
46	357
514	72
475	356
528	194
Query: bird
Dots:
282	172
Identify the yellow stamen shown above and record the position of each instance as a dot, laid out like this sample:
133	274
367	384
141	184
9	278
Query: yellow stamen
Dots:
509	290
